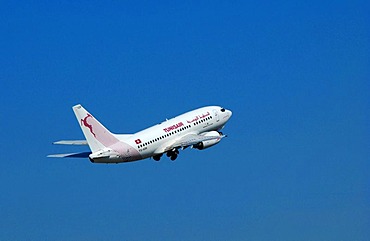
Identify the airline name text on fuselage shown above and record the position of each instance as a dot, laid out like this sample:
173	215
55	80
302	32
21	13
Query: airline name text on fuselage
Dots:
173	127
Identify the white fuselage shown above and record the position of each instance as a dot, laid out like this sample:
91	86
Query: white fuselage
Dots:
153	140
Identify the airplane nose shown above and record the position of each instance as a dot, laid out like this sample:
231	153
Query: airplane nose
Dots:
229	113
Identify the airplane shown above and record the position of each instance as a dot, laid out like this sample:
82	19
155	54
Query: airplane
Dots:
199	129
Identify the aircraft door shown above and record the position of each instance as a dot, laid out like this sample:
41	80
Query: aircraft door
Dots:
216	115
127	155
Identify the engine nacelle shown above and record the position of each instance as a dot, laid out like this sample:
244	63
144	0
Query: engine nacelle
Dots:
205	144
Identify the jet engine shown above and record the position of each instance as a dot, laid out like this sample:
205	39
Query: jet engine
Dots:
205	144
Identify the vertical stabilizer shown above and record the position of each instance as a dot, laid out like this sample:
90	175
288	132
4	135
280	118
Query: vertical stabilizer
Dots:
97	136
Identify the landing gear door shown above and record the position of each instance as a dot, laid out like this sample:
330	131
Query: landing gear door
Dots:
216	115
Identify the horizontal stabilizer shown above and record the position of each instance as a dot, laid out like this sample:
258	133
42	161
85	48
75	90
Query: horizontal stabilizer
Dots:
74	142
71	155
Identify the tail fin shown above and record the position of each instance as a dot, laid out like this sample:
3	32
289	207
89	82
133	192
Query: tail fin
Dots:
98	137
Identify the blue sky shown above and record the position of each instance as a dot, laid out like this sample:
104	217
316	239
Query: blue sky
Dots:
295	165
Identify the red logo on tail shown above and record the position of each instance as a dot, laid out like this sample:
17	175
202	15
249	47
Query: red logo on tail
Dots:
84	122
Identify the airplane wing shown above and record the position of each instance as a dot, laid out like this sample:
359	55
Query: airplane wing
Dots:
71	155
72	142
186	141
193	139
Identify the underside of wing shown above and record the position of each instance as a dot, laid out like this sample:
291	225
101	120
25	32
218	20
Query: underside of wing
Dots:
210	138
193	139
71	155
71	142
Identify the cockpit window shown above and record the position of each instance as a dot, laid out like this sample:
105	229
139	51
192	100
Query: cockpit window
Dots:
223	110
